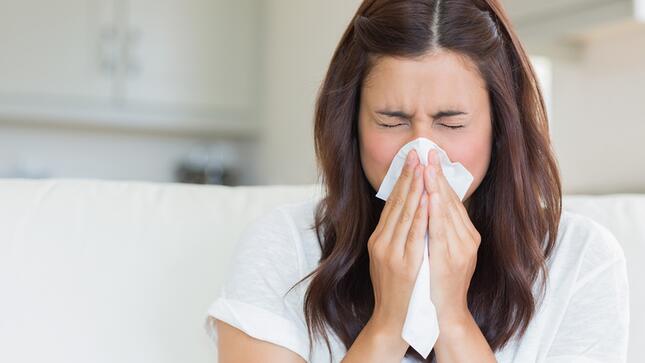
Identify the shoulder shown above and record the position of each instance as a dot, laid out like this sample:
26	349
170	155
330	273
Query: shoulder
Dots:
279	242
583	250
286	223
301	213
584	226
269	237
301	218
587	239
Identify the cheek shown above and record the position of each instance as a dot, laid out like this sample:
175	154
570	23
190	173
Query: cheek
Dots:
474	156
377	152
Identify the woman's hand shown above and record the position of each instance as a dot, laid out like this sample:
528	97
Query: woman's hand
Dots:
396	247
453	245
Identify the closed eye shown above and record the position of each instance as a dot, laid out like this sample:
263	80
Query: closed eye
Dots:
452	127
386	125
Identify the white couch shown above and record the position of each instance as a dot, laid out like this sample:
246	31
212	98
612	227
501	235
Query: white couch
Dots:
108	271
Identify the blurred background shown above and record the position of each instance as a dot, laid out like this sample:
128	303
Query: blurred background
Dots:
222	92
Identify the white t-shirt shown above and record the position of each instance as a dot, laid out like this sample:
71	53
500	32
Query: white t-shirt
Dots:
584	317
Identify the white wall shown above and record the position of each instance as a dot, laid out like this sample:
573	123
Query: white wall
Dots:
599	114
299	39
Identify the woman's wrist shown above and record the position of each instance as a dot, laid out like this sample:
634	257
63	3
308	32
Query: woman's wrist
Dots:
387	334
377	342
453	321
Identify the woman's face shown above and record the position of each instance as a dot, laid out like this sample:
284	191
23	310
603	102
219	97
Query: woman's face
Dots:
428	94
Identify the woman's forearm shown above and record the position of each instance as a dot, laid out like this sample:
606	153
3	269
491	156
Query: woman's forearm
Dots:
378	343
461	340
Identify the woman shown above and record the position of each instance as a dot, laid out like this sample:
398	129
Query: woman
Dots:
514	278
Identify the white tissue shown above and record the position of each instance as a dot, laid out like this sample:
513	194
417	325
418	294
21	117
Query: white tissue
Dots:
421	327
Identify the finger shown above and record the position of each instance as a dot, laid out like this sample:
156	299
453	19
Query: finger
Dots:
402	228
415	244
462	222
427	180
405	173
387	208
436	221
442	183
451	206
395	202
455	206
457	244
436	244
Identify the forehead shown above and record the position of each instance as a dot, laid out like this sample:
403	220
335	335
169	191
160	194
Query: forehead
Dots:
442	78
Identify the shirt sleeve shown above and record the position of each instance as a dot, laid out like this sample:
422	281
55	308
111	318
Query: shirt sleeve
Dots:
595	327
254	299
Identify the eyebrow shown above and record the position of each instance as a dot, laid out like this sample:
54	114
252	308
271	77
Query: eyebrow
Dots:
440	114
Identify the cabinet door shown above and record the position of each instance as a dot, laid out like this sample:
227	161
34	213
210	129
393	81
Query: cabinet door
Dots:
54	52
193	55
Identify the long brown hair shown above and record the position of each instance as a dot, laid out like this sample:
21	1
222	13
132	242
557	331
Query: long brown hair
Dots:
516	208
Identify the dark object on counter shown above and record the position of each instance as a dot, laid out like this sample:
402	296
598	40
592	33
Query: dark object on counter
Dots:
196	175
207	165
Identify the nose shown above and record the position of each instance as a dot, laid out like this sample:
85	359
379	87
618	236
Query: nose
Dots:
428	134
424	128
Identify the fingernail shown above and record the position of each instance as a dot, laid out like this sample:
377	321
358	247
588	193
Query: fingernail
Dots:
432	173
